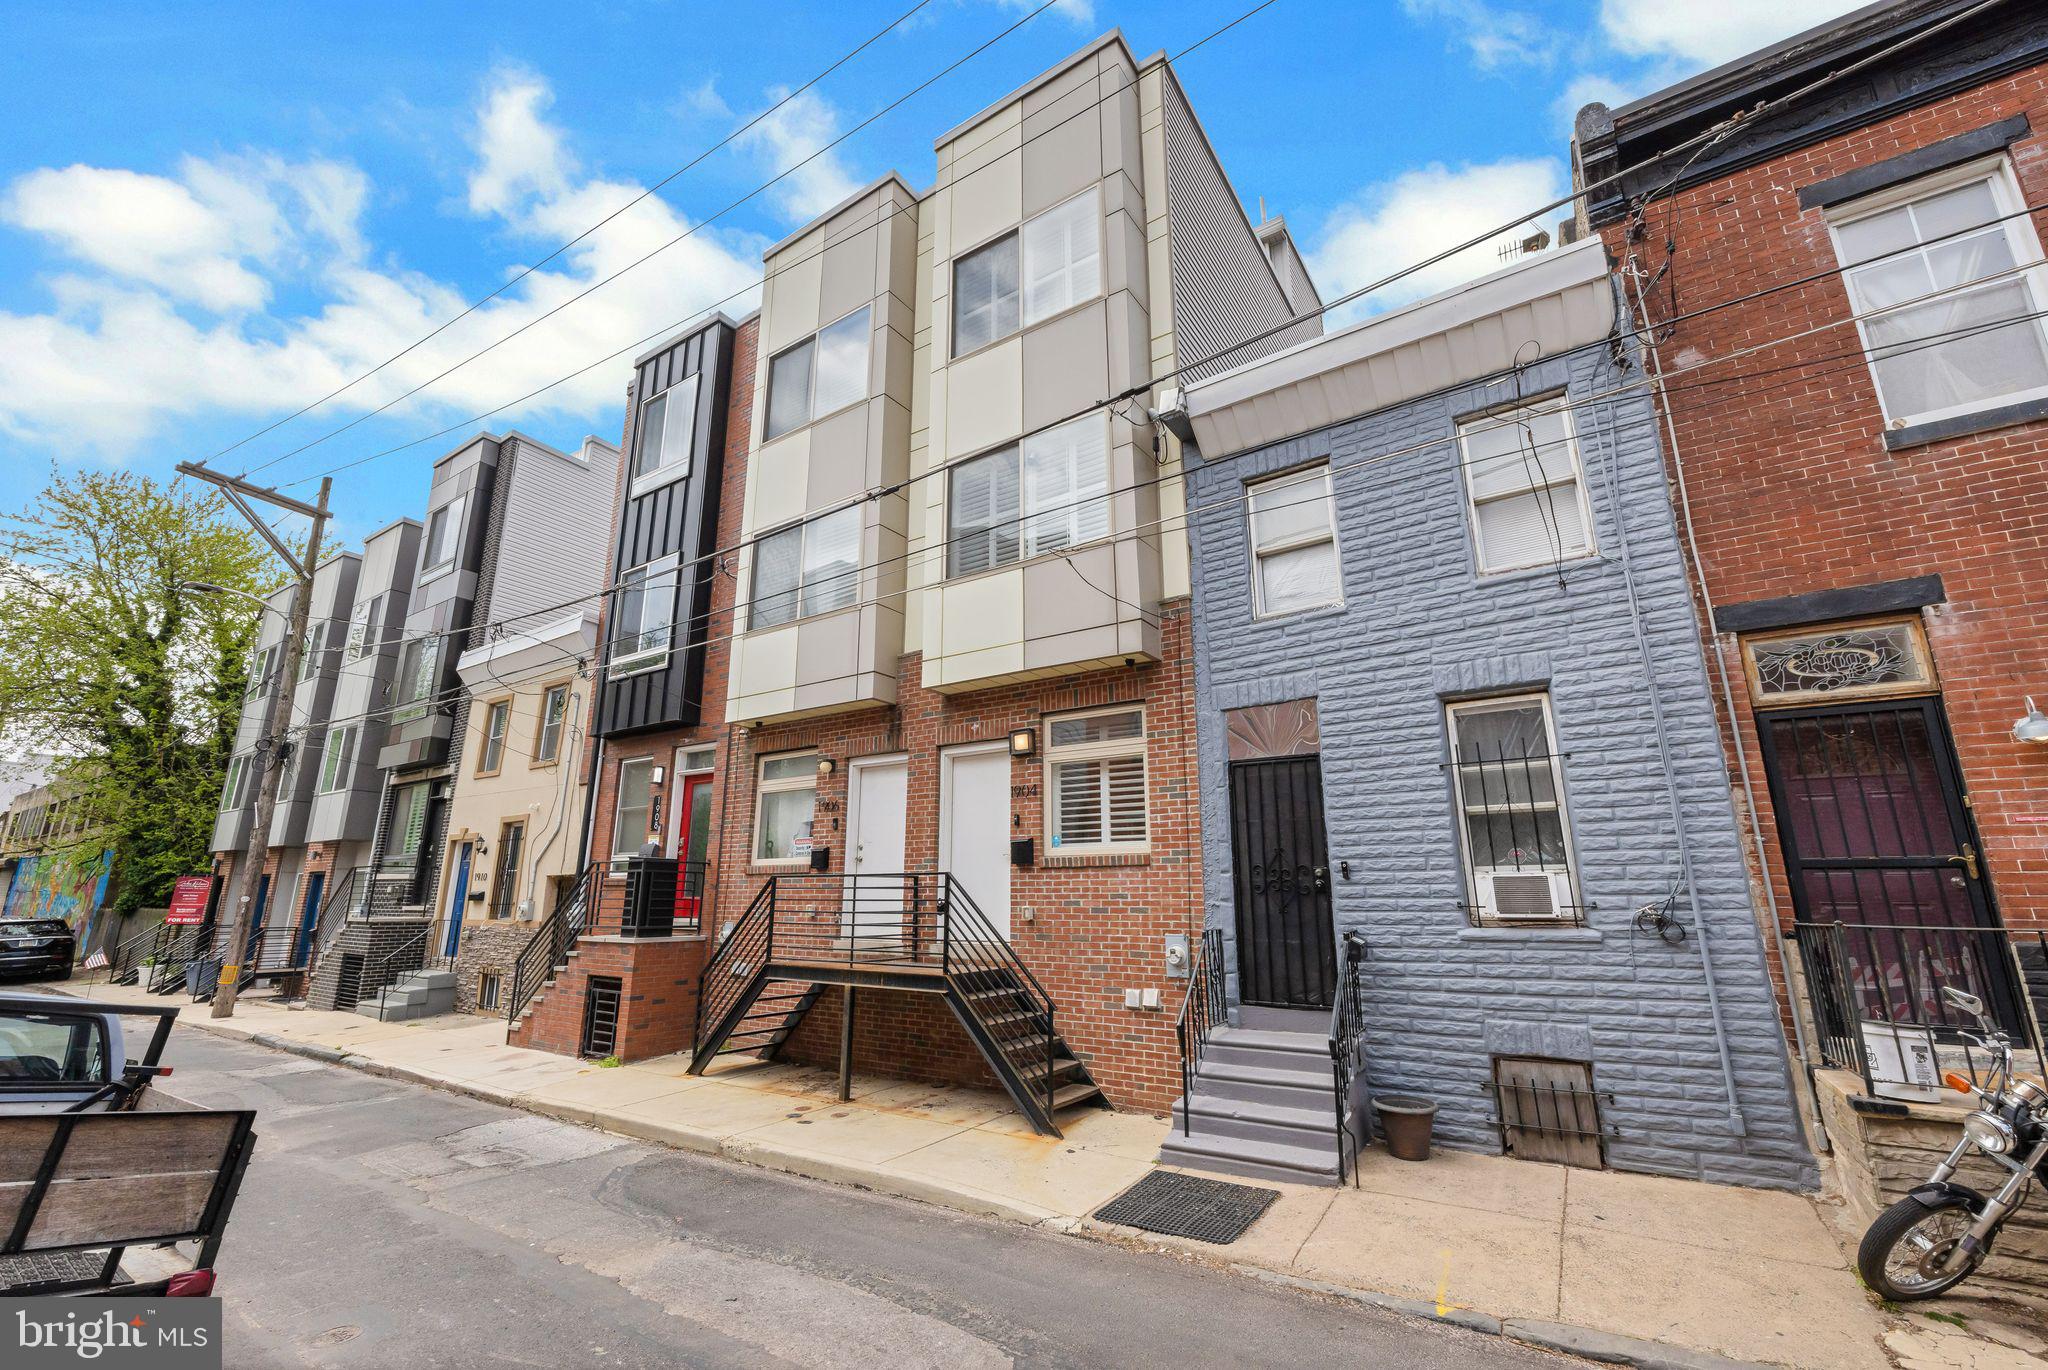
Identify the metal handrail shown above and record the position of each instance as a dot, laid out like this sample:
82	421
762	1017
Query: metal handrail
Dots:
1203	1008
993	953
716	984
117	964
551	943
1347	1037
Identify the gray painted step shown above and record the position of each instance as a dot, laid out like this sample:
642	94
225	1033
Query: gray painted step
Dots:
1316	1021
1253	1160
1258	1084
1270	1050
1302	1127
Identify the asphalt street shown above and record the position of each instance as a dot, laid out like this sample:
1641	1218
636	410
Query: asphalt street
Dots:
389	1226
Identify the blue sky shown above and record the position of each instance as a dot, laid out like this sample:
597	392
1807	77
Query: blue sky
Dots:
216	213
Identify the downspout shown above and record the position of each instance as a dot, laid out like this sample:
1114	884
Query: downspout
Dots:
1755	823
561	812
1685	865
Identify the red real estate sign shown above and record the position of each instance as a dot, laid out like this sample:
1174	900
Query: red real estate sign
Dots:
188	900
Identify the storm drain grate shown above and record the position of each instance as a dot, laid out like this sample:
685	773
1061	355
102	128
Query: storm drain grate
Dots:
1189	1206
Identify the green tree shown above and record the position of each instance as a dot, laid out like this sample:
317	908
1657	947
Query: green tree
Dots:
104	659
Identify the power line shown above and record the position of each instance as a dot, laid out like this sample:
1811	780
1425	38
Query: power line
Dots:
692	231
534	266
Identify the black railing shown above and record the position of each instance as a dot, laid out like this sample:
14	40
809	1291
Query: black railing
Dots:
1204	1007
1875	993
1347	1053
124	960
552	941
912	924
177	946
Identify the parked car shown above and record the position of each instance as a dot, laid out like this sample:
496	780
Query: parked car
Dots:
128	1189
40	948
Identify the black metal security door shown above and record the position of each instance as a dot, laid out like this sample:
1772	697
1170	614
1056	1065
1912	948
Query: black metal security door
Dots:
1876	836
1286	938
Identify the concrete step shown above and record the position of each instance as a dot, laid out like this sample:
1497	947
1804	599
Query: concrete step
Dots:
1316	1021
1250	1160
1271	1050
1309	1129
1258	1084
428	979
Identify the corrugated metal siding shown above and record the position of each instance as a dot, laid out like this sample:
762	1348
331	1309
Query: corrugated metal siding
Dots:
1224	288
679	519
554	516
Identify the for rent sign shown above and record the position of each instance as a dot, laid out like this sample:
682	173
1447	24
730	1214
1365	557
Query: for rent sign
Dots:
188	900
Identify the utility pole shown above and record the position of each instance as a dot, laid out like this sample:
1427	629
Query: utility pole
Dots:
269	747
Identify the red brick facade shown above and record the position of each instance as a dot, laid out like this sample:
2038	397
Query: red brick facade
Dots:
1088	927
1793	489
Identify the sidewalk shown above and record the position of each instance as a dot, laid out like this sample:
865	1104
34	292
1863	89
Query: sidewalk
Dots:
1618	1267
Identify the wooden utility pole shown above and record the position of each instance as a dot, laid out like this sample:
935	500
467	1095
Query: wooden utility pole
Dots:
271	747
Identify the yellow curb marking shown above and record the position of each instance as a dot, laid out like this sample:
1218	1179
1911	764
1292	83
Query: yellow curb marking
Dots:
1443	1286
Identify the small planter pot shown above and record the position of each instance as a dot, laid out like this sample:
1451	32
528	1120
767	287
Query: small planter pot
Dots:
1406	1122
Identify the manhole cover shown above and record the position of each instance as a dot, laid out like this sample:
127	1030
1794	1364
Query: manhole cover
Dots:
1189	1206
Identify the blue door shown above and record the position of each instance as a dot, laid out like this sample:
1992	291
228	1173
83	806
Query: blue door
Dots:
256	919
458	896
302	945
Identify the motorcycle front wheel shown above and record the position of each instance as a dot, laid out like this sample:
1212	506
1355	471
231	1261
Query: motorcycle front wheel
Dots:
1901	1255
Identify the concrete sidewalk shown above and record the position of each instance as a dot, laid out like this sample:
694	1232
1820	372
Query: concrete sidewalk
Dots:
1619	1267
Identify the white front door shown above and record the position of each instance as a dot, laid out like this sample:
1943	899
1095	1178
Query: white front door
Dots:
974	827
876	795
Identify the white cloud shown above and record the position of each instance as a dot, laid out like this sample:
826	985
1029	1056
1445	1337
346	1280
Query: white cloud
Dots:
787	137
156	324
1417	214
702	101
1494	36
1077	11
1707	34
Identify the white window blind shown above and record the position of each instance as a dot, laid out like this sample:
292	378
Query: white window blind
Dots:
985	295
1022	502
1523	487
1095	765
812	568
1062	256
1294	542
1973	346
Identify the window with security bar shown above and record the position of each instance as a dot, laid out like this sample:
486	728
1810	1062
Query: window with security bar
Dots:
1512	825
1095	782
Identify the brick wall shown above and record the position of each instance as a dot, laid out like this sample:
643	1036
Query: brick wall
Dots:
657	1000
1417	627
1793	489
895	1032
1088	928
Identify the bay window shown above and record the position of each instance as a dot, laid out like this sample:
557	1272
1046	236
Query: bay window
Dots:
1045	495
668	424
810	568
1051	264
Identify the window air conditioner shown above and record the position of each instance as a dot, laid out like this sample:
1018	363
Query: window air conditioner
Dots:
1525	896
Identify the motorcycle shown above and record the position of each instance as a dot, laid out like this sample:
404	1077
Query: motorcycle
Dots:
1933	1239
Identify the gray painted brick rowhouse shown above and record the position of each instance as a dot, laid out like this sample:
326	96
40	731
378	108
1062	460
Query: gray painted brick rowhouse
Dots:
1418	627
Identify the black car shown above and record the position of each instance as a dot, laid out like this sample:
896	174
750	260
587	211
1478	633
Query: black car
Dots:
38	947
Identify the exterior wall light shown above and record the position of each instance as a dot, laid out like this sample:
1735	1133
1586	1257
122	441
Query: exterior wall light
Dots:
2032	726
826	765
1023	741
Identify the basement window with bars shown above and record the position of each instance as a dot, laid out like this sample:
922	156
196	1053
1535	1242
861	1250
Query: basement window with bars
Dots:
489	988
1512	826
1095	782
1524	489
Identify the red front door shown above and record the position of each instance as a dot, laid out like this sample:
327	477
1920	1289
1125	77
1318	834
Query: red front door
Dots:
693	848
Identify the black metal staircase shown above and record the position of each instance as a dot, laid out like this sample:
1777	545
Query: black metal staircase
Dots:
918	933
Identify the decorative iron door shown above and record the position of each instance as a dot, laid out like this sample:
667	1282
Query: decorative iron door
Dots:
1876	836
1286	937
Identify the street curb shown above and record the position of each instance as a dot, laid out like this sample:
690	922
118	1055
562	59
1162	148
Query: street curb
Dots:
1583	1342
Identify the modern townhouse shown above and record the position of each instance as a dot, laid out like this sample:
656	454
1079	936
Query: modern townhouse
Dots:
404	920
960	838
1846	299
291	891
1463	811
614	970
515	819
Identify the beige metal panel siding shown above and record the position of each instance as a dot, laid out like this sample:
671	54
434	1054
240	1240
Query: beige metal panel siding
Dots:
1224	287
